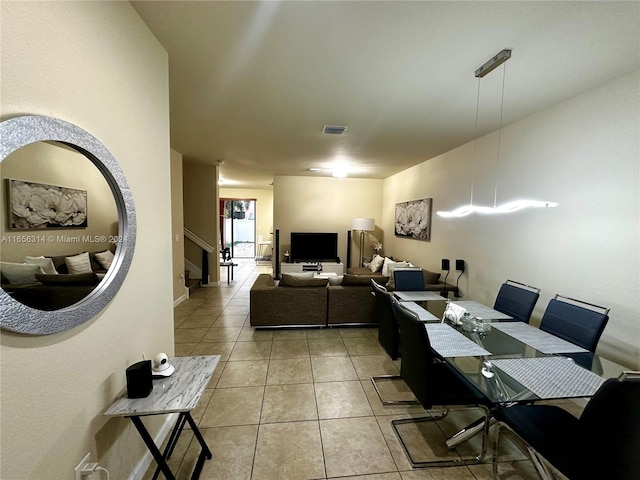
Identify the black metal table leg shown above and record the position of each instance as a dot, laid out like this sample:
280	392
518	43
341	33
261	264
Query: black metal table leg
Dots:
162	463
205	452
173	440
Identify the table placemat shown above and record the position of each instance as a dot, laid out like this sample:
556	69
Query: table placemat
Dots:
448	342
423	314
482	311
418	296
551	377
540	340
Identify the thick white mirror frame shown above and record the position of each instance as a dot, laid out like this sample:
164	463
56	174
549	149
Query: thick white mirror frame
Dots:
17	317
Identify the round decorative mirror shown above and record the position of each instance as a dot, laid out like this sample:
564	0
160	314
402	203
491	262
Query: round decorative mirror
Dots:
67	225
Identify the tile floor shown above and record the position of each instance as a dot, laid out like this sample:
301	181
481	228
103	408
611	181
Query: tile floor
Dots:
299	404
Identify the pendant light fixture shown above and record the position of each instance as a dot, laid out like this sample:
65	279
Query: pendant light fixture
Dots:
509	207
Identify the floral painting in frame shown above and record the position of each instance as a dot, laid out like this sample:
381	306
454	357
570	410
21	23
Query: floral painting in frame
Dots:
36	206
413	219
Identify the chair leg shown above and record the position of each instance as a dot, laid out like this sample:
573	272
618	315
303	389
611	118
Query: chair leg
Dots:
412	401
538	462
442	463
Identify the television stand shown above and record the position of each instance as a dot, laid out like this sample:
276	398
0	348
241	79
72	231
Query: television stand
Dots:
325	267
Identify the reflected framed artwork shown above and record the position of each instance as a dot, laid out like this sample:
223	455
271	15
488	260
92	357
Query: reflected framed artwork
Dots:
37	206
413	219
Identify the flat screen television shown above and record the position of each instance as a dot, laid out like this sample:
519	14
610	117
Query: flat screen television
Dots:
314	247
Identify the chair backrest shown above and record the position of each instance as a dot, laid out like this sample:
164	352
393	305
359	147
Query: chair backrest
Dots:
408	279
610	430
574	323
516	301
388	334
417	356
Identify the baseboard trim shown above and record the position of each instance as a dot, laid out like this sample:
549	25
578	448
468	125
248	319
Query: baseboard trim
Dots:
143	465
180	299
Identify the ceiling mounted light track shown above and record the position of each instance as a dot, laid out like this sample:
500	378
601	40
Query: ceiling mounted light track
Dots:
509	207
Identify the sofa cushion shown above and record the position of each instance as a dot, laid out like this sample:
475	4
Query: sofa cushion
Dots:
336	280
293	280
69	279
430	277
349	280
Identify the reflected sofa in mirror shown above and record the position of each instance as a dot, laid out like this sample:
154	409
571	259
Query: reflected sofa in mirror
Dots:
67	222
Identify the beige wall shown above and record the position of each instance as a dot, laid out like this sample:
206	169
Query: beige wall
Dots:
582	154
55	164
309	204
94	64
177	226
201	210
264	207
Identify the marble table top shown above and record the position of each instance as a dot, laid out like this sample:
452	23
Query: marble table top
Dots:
178	393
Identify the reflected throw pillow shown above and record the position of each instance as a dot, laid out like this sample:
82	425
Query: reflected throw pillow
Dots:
78	263
46	264
105	258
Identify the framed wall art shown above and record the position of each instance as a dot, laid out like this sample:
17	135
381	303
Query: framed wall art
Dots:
413	219
37	206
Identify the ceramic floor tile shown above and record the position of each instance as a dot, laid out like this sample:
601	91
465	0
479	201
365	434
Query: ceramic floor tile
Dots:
230	321
289	370
363	346
237	310
233	449
222	334
390	390
290	334
211	311
369	365
323	333
331	347
375	476
189	335
251	351
357	332
341	400
243	373
289	348
184	349
214	348
180	452
332	369
289	403
440	473
198	321
522	470
289	451
233	406
355	446
249	333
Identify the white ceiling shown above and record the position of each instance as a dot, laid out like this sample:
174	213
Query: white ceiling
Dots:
252	83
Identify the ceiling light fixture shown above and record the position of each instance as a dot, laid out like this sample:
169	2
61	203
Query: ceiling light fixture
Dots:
334	129
339	172
314	169
509	207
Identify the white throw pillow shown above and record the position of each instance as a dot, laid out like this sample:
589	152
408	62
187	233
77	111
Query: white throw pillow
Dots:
336	279
385	266
79	263
376	263
20	273
105	259
301	274
46	264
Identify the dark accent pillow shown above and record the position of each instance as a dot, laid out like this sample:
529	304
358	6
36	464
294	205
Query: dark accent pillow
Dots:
293	281
361	280
59	263
430	277
69	279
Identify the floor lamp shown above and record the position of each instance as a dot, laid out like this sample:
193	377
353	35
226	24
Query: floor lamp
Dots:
363	225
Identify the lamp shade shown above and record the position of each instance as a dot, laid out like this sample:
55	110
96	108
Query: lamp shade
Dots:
363	224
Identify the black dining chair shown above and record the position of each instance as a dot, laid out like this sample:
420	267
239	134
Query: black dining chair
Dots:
434	383
603	443
408	279
573	321
389	338
517	300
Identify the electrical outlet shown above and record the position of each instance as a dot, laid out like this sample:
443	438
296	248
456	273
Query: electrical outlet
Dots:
78	469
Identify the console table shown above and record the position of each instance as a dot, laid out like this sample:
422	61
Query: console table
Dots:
178	393
320	267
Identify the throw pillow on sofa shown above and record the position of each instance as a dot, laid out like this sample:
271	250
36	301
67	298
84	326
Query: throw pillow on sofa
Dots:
376	263
359	280
20	273
46	264
79	263
105	259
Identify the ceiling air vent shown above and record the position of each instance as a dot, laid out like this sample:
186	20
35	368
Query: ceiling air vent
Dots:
334	129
